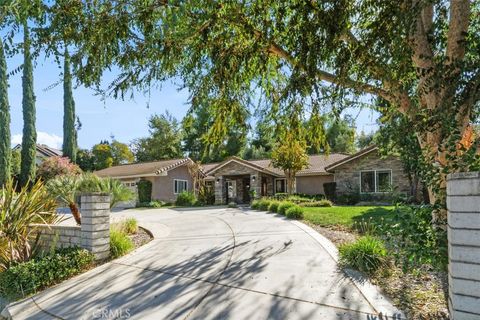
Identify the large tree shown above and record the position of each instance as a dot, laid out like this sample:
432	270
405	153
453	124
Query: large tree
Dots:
340	134
164	141
69	129
107	154
5	148
29	138
420	56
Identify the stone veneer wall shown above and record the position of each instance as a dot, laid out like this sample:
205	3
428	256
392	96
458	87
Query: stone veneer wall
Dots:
463	203
93	234
347	176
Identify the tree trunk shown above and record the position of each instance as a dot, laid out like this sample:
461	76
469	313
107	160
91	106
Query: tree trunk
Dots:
75	212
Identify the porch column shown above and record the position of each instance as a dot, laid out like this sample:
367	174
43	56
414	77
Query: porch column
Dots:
256	184
220	196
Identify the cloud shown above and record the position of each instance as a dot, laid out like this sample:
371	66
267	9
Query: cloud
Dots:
51	140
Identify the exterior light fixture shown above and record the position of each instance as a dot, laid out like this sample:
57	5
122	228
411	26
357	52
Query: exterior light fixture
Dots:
253	179
218	180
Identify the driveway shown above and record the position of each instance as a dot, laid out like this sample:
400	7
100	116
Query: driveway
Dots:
214	264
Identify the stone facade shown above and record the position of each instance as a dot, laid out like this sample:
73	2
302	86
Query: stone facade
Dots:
347	176
463	203
93	234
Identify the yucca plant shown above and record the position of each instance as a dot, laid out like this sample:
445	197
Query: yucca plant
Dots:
64	189
117	190
19	212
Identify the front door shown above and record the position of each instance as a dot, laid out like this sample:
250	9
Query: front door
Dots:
231	190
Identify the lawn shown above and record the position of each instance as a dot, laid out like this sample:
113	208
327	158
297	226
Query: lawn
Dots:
344	216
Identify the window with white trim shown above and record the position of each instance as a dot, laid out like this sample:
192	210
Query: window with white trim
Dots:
179	186
375	181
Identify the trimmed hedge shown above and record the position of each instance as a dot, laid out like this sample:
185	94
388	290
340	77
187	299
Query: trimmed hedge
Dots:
144	189
274	206
264	204
29	277
282	208
321	203
255	204
294	212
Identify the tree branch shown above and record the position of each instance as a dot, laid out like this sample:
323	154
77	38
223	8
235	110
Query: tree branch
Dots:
457	29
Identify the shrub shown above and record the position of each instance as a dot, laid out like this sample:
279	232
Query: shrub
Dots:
186	199
321	203
274	206
232	205
284	206
144	189
130	226
294	212
18	212
351	198
255	204
57	166
264	204
281	196
28	277
330	189
151	204
367	254
120	243
117	190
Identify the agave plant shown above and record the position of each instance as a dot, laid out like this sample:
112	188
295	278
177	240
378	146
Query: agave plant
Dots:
19	212
64	189
117	190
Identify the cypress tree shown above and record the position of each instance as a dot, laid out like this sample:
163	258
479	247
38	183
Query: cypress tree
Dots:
69	133
5	149
29	139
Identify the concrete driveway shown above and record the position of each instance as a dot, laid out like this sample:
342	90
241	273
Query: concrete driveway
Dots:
215	264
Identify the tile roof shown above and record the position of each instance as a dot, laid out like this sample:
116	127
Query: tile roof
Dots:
351	157
44	150
142	169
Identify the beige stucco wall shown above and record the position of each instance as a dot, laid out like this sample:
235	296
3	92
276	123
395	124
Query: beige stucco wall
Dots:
163	186
347	175
312	184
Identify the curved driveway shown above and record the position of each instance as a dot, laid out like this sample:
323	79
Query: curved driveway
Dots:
214	264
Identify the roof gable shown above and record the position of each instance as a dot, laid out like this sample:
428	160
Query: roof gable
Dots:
144	169
352	157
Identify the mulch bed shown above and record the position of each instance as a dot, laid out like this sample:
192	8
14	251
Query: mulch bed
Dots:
421	294
141	237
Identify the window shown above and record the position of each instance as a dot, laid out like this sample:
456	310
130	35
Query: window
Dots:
179	186
375	181
280	185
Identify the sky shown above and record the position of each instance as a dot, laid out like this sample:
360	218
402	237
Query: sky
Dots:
125	120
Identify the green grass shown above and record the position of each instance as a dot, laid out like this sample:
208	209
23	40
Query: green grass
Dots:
344	215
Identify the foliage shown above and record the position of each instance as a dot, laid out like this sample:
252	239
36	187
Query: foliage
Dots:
349	198
232	205
69	146
341	135
5	135
206	194
202	139
117	190
129	226
365	140
107	154
330	189
120	243
144	189
57	166
273	207
16	163
260	146
64	189
409	235
264	204
186	199
295	212
367	254
164	141
320	203
255	204
29	277
85	160
151	204
18	212
284	206
29	137
281	196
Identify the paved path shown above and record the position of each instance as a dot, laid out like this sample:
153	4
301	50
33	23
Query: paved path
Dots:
214	264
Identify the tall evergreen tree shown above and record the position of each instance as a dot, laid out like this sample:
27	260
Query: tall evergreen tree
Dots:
29	139
69	131
5	149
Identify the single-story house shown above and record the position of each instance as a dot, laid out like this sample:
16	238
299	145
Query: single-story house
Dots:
235	179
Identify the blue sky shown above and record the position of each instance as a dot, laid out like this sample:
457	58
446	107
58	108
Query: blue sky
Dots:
125	120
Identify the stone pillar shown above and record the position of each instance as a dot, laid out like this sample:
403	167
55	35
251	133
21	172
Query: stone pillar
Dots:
95	235
220	195
463	203
256	184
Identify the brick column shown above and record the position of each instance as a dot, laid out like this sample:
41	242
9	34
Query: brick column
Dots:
95	235
220	195
463	203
